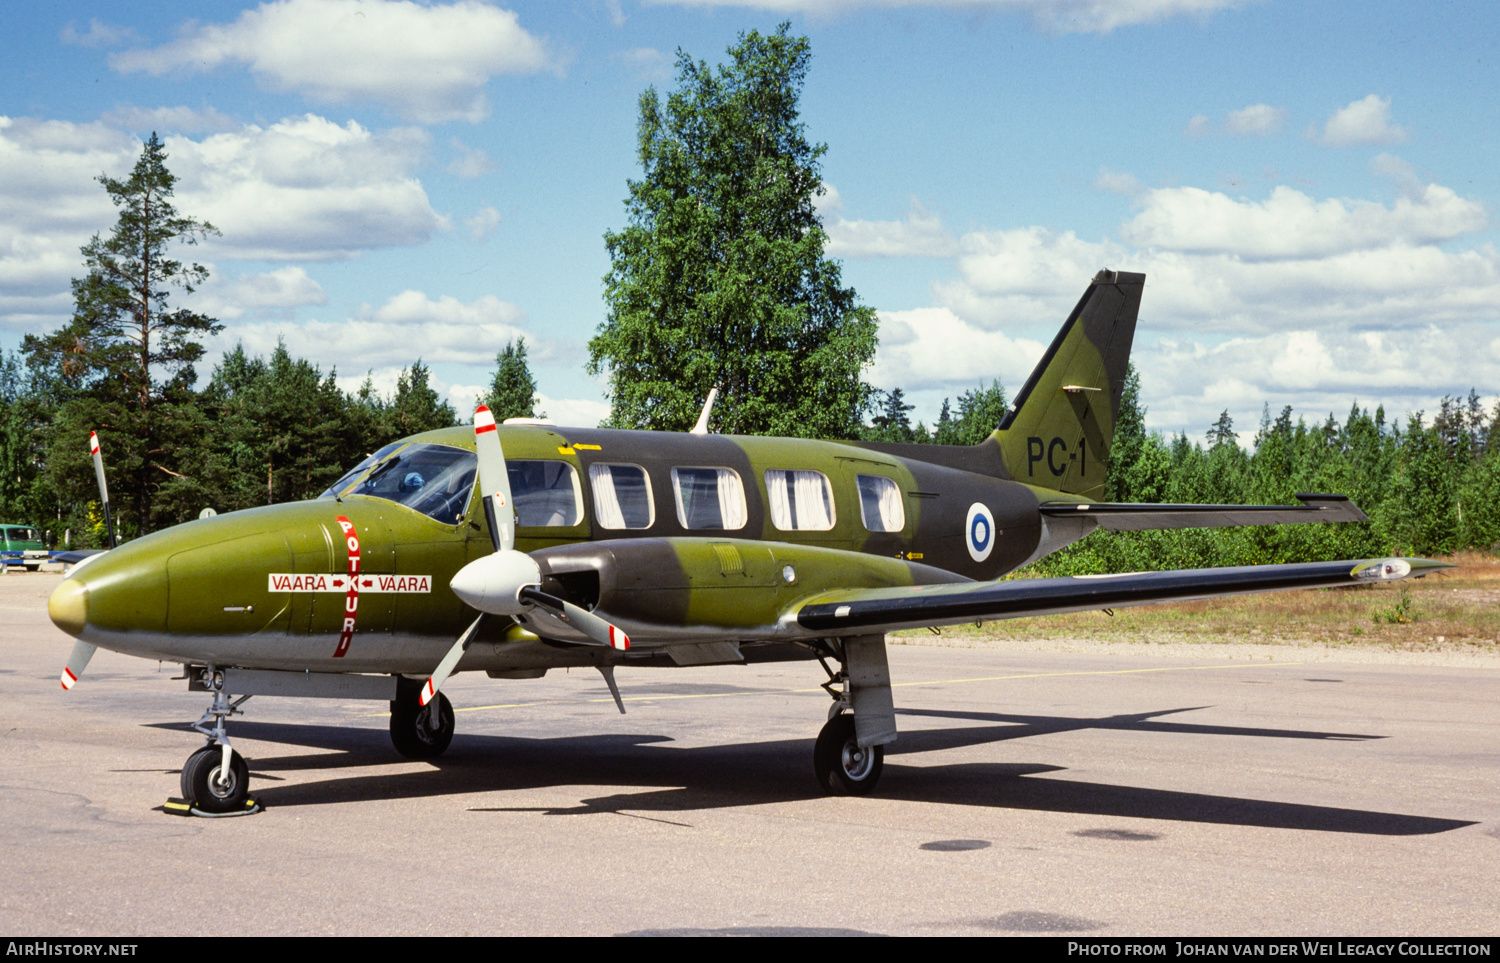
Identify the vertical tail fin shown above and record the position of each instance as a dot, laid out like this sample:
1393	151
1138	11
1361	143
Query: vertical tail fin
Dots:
1058	432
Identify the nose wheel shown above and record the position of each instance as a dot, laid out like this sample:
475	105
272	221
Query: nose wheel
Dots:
211	786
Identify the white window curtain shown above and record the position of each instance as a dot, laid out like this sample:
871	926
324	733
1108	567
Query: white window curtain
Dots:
606	502
732	499
880	504
800	500
781	506
814	513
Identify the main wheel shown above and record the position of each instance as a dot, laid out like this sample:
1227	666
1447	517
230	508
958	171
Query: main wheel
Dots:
418	731
843	768
202	786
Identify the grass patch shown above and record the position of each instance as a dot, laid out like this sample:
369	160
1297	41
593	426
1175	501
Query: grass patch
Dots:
1455	609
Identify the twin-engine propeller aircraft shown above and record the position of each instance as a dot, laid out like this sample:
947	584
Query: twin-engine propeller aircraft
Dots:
590	547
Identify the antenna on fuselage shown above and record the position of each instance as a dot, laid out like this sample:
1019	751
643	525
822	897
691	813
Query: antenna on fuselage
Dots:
701	428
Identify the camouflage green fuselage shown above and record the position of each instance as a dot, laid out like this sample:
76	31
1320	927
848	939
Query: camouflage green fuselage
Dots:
204	591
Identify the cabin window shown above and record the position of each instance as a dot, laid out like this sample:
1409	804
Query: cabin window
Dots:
546	493
801	501
432	479
709	498
622	496
880	504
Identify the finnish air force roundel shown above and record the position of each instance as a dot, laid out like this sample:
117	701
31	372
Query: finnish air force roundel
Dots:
979	532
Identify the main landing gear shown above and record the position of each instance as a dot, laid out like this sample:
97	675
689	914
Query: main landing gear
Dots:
850	752
215	779
418	731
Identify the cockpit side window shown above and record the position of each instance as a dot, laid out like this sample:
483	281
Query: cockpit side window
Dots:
435	480
338	487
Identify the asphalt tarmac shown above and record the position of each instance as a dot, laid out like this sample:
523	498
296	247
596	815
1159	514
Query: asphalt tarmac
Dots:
1030	792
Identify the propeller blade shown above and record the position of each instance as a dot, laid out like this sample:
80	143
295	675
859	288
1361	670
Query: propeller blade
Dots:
109	525
598	629
494	481
445	667
82	652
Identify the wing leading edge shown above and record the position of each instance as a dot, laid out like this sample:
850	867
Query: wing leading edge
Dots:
1136	517
888	609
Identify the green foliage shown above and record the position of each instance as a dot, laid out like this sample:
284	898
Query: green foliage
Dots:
416	406
979	413
1398	613
719	279
124	364
512	391
1430	489
892	421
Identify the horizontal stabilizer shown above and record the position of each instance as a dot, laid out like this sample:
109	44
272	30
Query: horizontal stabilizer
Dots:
889	609
1138	517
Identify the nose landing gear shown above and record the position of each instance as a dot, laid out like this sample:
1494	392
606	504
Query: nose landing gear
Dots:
216	779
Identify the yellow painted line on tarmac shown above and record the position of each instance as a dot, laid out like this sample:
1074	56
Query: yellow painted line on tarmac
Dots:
894	685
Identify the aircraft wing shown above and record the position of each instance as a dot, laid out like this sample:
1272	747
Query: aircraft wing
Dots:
1136	517
887	609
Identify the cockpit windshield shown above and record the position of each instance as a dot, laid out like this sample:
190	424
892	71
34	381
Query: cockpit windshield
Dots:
435	480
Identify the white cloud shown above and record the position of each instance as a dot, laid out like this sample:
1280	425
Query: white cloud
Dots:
407	326
1257	119
427	63
306	188
1117	182
99	34
483	223
470	162
1187	383
1365	121
829	202
573	412
230	296
1287	300
919	234
1290	224
930	348
50	202
1064	16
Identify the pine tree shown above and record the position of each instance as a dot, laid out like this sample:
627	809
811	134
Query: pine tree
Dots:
124	364
512	391
416	407
719	280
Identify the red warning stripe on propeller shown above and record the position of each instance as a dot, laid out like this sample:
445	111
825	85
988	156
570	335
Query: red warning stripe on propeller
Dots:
69	680
618	639
93	443
484	420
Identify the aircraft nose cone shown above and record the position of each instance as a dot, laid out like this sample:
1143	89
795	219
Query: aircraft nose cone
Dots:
68	606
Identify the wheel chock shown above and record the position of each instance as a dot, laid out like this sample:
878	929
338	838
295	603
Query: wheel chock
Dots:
181	807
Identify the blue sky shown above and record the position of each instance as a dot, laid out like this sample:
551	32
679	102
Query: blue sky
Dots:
1310	187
